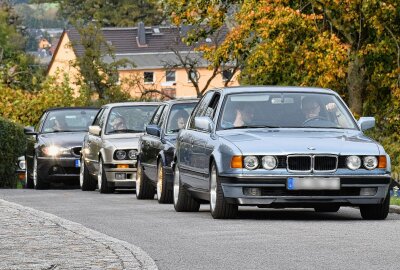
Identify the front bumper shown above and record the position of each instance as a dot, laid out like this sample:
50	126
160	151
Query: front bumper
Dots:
58	168
274	192
125	178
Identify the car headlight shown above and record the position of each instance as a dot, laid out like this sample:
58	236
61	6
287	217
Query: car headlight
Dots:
54	150
120	154
353	162
132	154
251	162
22	165
269	162
370	162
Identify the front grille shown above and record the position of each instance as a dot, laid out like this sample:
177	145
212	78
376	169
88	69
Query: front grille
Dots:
325	163
299	163
76	151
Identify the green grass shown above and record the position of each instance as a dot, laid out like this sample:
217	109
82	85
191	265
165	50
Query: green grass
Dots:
395	201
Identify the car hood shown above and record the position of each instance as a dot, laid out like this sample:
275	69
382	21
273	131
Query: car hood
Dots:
308	141
64	139
124	142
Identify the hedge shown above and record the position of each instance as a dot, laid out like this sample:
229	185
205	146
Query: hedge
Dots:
12	145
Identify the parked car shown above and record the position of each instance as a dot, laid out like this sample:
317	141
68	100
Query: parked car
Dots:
157	147
54	146
110	148
279	147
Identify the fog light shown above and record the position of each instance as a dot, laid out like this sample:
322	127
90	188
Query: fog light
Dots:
120	176
252	191
368	191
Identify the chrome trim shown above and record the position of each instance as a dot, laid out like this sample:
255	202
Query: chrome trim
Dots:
312	165
325	171
296	171
275	176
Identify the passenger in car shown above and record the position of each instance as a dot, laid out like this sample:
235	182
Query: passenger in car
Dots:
119	123
179	120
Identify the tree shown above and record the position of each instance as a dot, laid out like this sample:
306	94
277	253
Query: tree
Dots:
110	13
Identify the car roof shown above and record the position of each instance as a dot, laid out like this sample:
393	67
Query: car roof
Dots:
293	89
183	100
122	104
70	108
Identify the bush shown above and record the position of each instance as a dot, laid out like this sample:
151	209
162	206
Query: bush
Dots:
12	145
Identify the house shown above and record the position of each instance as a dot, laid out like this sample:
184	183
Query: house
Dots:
154	52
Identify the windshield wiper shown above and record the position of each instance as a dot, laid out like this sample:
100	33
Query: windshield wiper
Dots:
174	130
252	126
125	131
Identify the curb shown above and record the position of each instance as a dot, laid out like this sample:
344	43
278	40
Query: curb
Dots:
394	209
131	256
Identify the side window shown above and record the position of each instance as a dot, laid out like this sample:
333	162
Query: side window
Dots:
157	115
162	118
40	123
98	116
201	108
102	118
212	106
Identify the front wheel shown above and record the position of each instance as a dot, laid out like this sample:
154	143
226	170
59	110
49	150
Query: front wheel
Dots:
38	182
86	181
376	211
144	190
102	180
219	208
183	202
164	195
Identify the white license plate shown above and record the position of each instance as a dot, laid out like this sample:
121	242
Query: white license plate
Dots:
313	183
77	163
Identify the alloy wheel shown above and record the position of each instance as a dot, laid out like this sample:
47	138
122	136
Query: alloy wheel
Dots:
160	181
81	172
35	171
213	189
100	175
176	185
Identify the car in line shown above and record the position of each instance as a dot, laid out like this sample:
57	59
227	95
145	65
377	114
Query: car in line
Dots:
157	148
110	148
54	146
279	147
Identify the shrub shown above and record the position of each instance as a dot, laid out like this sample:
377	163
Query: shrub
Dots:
12	145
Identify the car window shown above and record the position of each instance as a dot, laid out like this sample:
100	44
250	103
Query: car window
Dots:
212	106
201	107
162	117
157	115
129	119
178	117
40	123
96	121
68	120
285	110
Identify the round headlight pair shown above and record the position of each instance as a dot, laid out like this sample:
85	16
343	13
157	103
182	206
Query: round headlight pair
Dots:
122	154
354	162
252	162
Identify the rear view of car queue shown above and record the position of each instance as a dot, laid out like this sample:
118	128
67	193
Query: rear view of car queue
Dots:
241	146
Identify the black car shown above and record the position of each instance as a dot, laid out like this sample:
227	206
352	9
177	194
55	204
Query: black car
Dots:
156	150
54	146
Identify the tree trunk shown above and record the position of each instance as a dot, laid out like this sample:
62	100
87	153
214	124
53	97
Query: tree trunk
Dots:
356	83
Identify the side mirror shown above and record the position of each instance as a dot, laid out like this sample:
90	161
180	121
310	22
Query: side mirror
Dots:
153	130
95	130
30	131
366	123
203	123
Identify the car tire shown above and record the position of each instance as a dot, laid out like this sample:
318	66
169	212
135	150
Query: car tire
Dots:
376	211
219	208
164	195
327	209
183	202
86	181
38	182
144	190
28	179
102	182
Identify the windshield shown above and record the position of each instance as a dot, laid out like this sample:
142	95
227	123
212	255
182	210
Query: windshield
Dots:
129	119
285	110
178	117
69	120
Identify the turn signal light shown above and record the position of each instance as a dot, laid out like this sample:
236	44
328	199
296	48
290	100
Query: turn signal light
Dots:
237	162
123	166
382	162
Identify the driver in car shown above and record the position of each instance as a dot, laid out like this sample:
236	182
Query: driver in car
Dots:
119	123
311	108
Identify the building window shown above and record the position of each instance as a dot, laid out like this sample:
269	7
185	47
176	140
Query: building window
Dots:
194	75
170	76
149	77
227	75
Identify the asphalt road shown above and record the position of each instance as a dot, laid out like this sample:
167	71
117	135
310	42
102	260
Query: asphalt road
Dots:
257	239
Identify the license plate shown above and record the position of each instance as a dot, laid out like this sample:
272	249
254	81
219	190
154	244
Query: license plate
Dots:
77	163
313	183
